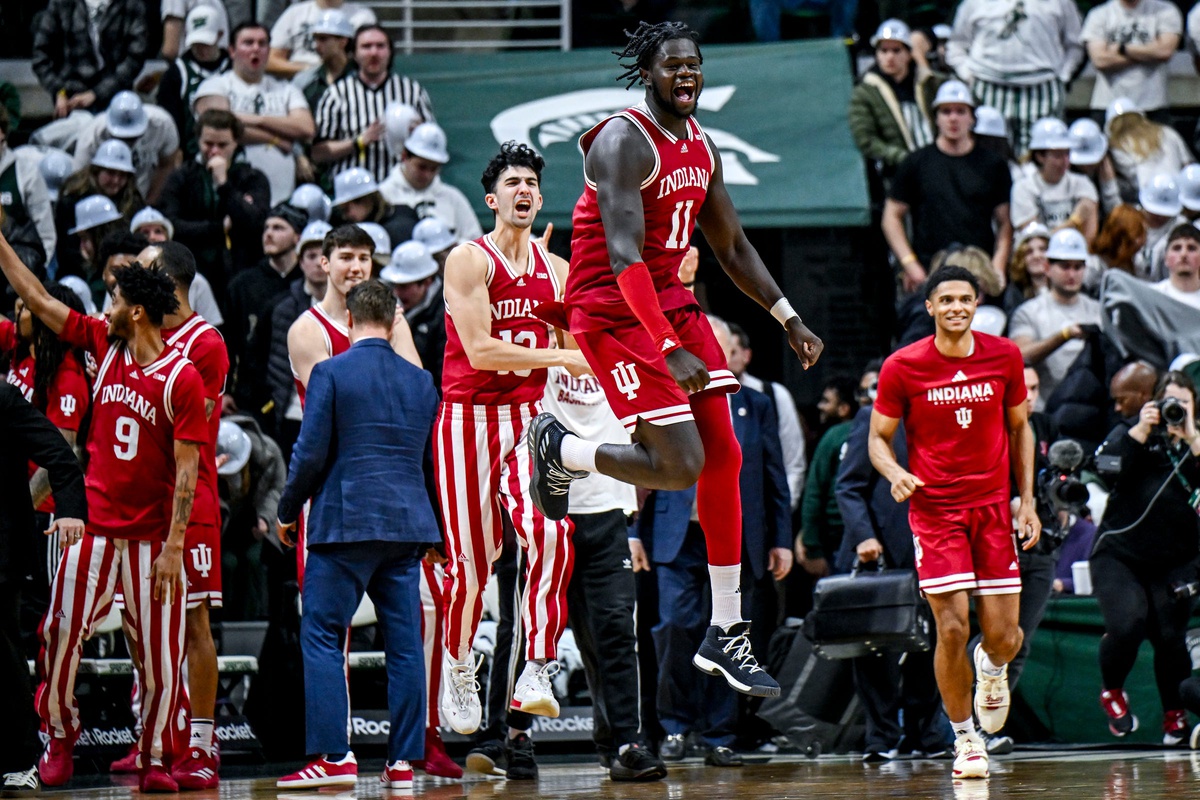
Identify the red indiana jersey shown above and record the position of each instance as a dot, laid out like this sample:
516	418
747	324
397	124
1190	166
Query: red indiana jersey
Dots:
137	414
200	343
67	396
337	340
672	195
512	298
954	412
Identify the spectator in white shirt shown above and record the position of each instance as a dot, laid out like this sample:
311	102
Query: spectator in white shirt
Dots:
415	183
1129	42
148	130
1052	195
1141	148
174	12
292	49
1162	210
1183	264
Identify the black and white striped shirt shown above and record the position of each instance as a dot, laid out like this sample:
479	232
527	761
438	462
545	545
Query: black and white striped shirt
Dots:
349	106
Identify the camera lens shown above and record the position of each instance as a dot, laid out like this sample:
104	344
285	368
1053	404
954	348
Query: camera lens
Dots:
1172	411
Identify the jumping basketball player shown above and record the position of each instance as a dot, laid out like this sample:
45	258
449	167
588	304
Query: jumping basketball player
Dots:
651	175
143	457
497	354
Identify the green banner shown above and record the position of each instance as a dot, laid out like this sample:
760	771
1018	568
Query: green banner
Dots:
776	112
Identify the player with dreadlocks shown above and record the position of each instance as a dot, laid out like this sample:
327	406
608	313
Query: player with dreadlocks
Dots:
651	174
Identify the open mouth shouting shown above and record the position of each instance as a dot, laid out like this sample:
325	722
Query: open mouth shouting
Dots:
523	206
685	91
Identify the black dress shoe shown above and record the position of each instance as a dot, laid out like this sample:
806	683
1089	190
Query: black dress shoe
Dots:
672	747
637	764
723	757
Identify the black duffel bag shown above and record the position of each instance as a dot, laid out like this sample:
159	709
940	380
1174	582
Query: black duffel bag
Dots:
859	614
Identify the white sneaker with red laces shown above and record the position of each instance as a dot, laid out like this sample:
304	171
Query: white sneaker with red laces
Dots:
970	757
398	775
322	772
991	695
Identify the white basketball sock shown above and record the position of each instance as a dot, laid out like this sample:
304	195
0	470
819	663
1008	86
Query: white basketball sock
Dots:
201	735
578	454
726	595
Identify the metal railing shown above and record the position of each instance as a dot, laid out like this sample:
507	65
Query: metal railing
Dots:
429	25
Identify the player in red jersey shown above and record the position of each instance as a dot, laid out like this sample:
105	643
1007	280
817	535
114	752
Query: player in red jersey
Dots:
651	175
143	458
493	378
961	395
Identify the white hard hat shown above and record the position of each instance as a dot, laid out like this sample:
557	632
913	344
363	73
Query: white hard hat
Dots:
428	141
310	199
892	30
93	211
333	22
434	234
234	442
953	92
55	167
151	216
379	235
126	116
399	119
313	232
1049	133
1067	244
115	155
1034	230
1188	181
204	25
79	286
1160	195
353	183
942	31
1122	105
1088	142
410	262
989	319
990	122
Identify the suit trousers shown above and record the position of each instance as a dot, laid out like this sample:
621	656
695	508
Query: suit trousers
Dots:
19	743
895	686
336	575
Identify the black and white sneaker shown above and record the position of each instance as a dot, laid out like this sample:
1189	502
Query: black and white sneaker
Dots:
637	764
729	655
551	480
21	784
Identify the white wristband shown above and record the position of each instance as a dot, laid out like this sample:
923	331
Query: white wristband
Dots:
783	311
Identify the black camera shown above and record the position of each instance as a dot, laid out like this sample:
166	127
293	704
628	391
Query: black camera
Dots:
1060	490
1172	411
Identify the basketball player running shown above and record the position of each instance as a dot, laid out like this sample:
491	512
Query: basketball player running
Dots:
961	395
494	374
143	457
651	175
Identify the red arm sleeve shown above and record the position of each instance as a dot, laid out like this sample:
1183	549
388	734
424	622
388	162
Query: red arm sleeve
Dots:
638	290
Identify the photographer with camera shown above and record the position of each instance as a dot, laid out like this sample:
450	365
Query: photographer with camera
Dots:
1144	562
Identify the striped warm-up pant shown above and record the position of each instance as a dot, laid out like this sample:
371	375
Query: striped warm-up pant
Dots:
482	464
80	598
1022	105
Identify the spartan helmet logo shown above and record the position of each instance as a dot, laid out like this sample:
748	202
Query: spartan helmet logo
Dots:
627	380
963	416
202	559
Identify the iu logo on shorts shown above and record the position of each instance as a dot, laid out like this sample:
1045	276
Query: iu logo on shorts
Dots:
202	559
963	416
627	379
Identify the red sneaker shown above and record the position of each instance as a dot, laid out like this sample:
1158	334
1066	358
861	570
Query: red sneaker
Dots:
156	779
1116	705
126	764
1175	727
322	772
398	775
197	770
57	764
436	762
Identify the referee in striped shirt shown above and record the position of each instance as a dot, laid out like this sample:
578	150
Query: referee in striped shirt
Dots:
350	115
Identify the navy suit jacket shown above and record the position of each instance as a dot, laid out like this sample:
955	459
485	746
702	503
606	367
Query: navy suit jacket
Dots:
361	454
866	502
766	498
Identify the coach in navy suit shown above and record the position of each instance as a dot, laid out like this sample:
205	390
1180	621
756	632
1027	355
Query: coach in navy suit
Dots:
361	456
669	536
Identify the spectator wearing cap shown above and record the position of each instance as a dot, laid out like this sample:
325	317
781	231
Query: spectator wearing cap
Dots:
1162	211
381	256
218	202
1188	182
415	183
156	228
991	133
179	23
1129	42
1027	271
287	413
357	199
110	175
24	202
1050	328
890	113
331	35
955	192
1141	148
84	53
412	275
1018	57
96	218
1053	195
274	113
1090	158
351	115
313	201
438	240
204	56
252	294
148	130
55	166
1183	266
292	42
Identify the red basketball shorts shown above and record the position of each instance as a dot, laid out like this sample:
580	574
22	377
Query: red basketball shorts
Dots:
634	374
202	565
965	548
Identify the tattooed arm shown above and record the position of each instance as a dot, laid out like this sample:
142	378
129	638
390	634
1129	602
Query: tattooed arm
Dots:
167	572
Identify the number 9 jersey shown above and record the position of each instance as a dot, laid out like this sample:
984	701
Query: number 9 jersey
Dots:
137	414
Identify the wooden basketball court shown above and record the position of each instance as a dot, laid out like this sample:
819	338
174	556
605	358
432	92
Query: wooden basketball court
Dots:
1074	775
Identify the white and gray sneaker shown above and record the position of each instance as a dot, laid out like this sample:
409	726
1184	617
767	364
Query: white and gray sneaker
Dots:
991	695
460	701
534	694
21	784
